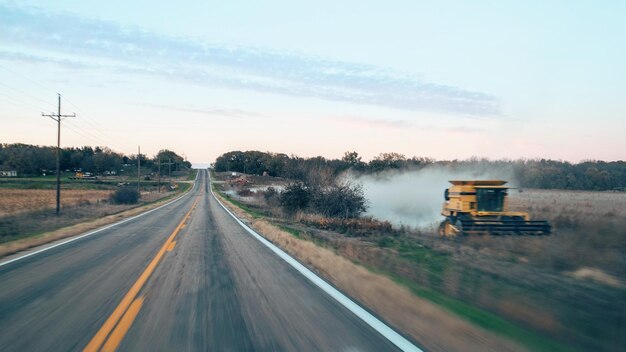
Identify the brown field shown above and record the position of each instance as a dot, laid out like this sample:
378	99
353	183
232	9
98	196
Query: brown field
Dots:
28	212
16	201
589	231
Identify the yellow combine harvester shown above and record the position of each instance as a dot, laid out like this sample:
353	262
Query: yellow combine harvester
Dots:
477	207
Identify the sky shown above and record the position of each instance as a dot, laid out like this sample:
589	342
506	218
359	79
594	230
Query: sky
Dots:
441	79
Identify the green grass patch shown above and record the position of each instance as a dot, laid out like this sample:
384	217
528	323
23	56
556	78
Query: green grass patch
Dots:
484	319
294	232
255	214
192	174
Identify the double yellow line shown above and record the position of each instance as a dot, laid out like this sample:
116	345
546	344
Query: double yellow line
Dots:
123	316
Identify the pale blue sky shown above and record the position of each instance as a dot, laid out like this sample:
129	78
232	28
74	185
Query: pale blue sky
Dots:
443	79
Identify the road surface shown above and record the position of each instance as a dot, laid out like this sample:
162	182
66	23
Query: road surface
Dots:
184	277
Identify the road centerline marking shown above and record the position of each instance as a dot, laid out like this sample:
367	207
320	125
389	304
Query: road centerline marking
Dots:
125	323
99	338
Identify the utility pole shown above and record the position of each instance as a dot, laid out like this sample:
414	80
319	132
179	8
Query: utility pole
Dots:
169	164
58	117
138	167
159	174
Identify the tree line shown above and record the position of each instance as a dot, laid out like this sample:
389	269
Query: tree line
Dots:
529	173
31	160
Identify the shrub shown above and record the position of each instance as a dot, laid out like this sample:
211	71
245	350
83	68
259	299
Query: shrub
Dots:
125	195
271	195
245	193
295	197
342	201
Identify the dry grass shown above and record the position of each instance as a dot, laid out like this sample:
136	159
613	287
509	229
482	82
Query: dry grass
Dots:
589	230
87	223
435	328
564	287
16	201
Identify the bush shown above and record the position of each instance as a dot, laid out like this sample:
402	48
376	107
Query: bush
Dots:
126	195
295	197
245	193
272	196
344	201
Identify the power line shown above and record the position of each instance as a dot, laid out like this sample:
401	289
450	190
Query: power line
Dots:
78	132
97	127
28	79
85	133
105	138
23	103
27	94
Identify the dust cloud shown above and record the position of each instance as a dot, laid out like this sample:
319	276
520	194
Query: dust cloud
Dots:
414	198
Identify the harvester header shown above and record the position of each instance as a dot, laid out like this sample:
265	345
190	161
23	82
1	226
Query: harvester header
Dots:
481	206
478	183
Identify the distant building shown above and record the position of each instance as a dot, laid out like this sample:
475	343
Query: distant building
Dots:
10	173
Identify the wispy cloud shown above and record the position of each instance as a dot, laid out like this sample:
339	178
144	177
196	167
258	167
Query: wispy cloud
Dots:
372	123
387	123
67	39
235	113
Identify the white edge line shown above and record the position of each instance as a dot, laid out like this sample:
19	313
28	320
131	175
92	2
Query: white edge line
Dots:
391	335
30	254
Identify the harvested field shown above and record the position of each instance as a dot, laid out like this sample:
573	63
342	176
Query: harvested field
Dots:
16	201
27	212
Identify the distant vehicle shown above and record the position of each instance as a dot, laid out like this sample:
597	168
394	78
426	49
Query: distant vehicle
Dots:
84	176
9	173
476	207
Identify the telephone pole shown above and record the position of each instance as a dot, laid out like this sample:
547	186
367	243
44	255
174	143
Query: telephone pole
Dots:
138	167
159	174
58	117
169	164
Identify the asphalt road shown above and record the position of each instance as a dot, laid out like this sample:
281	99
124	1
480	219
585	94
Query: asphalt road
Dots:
184	277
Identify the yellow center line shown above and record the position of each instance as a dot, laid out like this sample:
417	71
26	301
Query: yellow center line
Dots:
171	246
125	323
109	324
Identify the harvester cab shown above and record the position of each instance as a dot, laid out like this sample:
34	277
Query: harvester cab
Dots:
481	207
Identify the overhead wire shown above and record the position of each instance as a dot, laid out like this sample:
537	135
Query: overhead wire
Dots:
28	79
104	137
22	102
85	133
27	94
95	125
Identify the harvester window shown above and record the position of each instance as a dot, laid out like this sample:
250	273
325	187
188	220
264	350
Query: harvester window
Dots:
490	199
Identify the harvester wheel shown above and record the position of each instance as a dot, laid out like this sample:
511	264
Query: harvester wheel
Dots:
447	229
442	229
458	227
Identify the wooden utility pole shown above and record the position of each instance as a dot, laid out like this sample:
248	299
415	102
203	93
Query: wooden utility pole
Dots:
138	167
159	174
58	117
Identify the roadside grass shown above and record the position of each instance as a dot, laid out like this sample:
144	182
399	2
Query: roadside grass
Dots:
294	232
484	319
436	263
51	184
255	214
192	174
